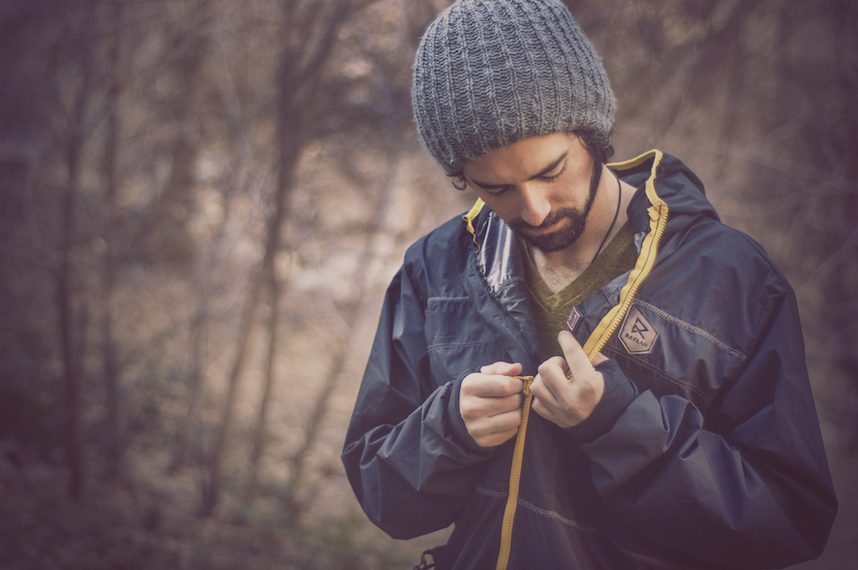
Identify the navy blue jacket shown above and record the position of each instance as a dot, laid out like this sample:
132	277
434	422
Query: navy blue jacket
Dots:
704	452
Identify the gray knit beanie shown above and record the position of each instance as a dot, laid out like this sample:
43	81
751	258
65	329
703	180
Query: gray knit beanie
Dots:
489	73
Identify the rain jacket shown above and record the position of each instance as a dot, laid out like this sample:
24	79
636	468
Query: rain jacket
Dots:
704	452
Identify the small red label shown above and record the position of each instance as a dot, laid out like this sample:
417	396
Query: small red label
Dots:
574	318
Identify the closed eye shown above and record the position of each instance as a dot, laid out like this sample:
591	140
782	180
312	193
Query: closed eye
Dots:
553	177
500	191
558	166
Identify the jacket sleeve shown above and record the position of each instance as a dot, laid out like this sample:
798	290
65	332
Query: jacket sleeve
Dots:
745	485
407	454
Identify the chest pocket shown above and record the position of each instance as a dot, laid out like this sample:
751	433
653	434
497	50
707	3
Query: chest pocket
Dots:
669	356
457	339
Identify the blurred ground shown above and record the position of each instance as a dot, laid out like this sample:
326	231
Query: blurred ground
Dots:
148	523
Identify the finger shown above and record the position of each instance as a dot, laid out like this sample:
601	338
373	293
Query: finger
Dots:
490	386
511	403
543	410
491	407
502	368
545	402
496	439
549	381
492	431
553	370
576	358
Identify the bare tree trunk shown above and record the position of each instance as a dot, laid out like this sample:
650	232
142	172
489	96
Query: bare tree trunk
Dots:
295	92
352	315
110	363
70	340
212	479
212	485
70	348
195	385
290	148
839	289
259	431
297	88
164	236
198	332
315	419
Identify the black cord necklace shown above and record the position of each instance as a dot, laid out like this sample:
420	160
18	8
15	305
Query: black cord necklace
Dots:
614	221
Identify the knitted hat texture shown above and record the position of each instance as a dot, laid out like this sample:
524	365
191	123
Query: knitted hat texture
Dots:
489	73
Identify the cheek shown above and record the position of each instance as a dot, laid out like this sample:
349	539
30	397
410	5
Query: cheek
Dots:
572	193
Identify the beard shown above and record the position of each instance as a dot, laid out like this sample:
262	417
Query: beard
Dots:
570	232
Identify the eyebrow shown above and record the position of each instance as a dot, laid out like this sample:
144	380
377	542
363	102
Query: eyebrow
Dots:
539	174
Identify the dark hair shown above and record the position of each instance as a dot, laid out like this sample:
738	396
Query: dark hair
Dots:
597	143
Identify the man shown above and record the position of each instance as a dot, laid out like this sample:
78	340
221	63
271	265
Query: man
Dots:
672	421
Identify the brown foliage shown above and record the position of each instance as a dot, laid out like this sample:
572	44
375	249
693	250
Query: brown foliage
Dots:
166	166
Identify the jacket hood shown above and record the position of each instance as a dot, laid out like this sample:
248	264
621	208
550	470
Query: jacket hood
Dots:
662	177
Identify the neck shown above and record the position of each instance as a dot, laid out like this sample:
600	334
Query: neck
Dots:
559	268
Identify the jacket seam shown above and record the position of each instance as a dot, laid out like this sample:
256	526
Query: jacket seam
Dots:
579	527
441	345
661	373
691	328
431	300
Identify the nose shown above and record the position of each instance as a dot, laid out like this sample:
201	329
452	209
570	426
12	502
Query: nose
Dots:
535	206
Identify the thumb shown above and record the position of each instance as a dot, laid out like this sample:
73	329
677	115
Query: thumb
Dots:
576	358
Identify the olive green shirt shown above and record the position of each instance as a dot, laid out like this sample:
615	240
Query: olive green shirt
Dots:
551	311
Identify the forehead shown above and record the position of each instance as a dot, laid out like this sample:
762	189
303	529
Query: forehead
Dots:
520	161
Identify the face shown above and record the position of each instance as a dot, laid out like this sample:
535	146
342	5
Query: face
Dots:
542	187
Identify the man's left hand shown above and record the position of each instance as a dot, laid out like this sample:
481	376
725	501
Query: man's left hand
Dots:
567	401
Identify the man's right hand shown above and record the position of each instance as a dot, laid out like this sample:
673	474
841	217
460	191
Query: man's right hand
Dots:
490	403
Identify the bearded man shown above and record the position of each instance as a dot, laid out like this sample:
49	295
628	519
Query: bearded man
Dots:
588	369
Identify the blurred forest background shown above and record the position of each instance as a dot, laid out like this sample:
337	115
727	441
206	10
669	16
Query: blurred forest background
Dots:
202	201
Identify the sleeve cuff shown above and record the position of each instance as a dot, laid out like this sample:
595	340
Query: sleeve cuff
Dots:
619	393
460	432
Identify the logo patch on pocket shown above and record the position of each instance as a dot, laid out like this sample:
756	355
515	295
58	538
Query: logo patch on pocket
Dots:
637	333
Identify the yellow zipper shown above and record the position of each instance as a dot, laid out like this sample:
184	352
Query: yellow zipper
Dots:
658	213
514	477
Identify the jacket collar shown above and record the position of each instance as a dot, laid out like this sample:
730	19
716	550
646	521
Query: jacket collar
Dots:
660	179
664	186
